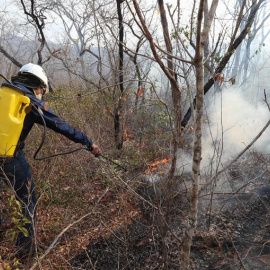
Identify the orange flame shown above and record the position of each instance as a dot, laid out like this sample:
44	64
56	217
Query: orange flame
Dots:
156	165
127	135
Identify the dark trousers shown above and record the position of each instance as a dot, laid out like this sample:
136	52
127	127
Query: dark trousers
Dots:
18	176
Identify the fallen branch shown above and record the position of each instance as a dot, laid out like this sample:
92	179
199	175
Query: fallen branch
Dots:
64	231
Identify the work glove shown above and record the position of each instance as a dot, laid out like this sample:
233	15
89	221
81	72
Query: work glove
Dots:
95	150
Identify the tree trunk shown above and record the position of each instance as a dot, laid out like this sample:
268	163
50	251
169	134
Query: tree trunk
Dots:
197	150
176	98
118	131
176	94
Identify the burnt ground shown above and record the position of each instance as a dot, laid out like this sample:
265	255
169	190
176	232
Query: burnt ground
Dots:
240	221
128	248
137	245
234	233
240	239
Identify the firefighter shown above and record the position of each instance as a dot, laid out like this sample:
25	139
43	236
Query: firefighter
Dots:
16	171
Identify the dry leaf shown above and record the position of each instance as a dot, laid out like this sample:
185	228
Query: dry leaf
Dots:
220	78
233	80
265	259
140	91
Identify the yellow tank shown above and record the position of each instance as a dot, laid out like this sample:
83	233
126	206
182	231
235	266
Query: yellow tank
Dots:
13	108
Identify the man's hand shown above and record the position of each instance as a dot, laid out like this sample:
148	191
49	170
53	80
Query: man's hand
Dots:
95	150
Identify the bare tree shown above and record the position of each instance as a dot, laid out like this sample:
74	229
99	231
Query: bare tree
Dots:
234	43
36	16
78	22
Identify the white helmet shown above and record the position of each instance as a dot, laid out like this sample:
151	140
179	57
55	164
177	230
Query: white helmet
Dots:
37	71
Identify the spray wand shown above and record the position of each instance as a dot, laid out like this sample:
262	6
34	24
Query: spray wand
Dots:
111	161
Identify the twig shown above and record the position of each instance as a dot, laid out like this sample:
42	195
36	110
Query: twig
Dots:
238	255
236	158
133	191
245	185
136	194
265	99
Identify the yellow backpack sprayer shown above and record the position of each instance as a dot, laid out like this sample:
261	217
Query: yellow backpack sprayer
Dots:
13	107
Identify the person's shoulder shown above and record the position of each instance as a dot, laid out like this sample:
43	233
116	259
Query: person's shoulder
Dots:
27	91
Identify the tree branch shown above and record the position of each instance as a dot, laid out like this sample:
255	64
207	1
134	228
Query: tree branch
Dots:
12	59
226	58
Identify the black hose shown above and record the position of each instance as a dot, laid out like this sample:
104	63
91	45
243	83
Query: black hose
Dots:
113	162
5	78
43	140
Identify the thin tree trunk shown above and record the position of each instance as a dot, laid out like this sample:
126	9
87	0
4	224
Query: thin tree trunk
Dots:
176	94
118	133
12	59
197	150
38	20
176	98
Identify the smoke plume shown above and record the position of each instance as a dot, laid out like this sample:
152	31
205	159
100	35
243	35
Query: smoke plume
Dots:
231	122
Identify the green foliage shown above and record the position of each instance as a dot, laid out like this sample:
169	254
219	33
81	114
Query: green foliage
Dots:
259	50
18	219
217	58
11	265
184	31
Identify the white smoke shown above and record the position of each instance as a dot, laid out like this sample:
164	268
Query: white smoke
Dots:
234	122
231	122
